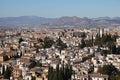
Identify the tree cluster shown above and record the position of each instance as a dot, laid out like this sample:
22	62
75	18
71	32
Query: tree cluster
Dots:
112	71
60	44
47	42
6	73
21	40
82	44
105	39
60	73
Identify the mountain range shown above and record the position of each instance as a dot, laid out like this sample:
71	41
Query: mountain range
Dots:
66	21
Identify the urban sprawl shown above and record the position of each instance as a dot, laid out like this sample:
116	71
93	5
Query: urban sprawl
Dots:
60	54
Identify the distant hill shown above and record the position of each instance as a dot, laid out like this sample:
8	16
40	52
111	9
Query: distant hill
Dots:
34	21
23	20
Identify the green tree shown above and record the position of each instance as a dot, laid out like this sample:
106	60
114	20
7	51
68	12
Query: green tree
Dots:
8	73
105	52
40	40
20	40
33	78
113	49
63	73
83	35
109	70
115	77
50	73
48	42
83	43
60	44
118	50
114	73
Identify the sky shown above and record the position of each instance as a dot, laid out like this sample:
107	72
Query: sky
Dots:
59	8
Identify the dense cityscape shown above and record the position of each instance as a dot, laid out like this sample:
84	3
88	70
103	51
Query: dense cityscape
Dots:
60	54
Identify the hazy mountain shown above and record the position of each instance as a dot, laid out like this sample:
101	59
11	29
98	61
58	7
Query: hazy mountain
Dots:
116	18
85	22
34	21
102	18
24	20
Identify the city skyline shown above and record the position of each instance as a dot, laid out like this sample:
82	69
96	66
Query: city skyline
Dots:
55	8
